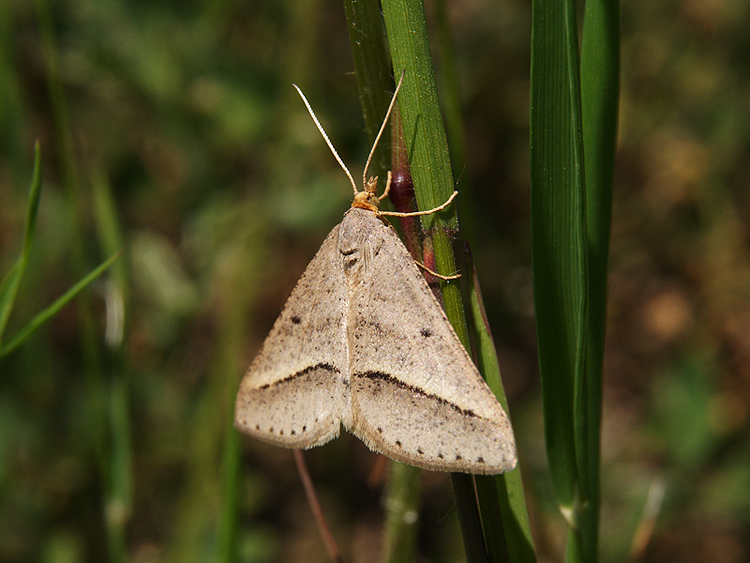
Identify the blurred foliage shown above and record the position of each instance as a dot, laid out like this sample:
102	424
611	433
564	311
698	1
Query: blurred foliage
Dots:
223	191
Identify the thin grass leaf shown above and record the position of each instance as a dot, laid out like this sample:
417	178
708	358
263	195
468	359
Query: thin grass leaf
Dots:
559	250
599	102
580	301
492	518
374	80
449	87
119	499
228	518
53	309
375	83
8	290
425	139
33	208
372	67
470	519
109	230
12	281
413	55
242	281
119	487
517	541
427	151
97	395
402	509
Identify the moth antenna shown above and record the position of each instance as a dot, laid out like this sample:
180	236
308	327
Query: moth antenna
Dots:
387	189
382	127
327	140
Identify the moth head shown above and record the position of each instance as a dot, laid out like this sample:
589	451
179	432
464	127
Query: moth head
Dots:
367	198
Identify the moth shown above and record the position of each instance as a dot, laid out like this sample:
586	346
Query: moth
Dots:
362	342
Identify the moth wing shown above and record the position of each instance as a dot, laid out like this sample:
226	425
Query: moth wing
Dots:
416	395
293	394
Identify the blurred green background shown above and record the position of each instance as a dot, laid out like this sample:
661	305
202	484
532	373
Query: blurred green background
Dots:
171	130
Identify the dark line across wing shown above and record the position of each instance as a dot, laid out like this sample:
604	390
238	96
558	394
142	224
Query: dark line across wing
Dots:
378	375
301	373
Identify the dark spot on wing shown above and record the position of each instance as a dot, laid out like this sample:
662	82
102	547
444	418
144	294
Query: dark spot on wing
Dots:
426	332
480	459
296	319
398	443
419	451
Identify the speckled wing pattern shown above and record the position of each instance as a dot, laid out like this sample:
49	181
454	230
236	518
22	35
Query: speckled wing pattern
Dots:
416	395
363	342
296	391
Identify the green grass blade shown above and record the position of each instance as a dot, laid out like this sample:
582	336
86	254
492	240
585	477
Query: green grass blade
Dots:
427	150
420	110
53	309
97	397
600	71
8	291
449	87
492	518
432	177
403	502
373	71
559	251
514	516
431	171
228	518
425	138
33	208
119	487
375	83
470	518
9	288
